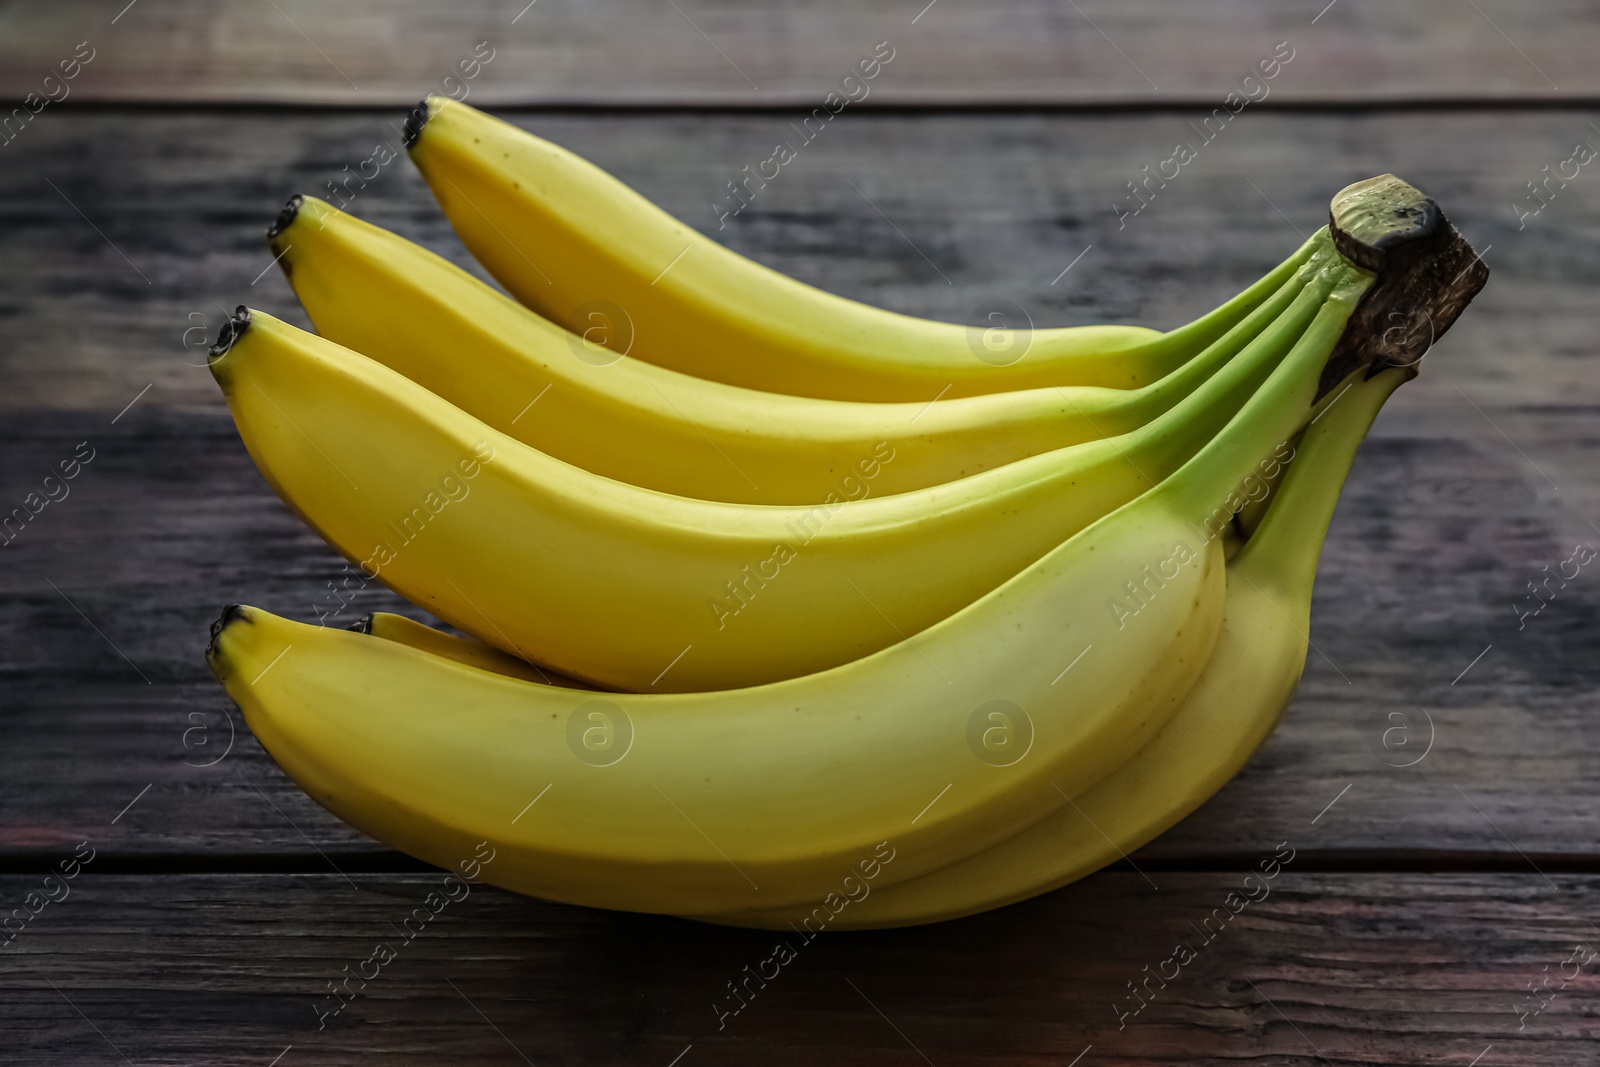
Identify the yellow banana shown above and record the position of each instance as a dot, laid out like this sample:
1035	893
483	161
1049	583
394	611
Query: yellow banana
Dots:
410	310
572	242
633	589
1237	702
730	801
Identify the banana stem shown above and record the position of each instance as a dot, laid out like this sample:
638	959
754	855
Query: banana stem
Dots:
1146	403
1282	553
1173	348
1167	442
1206	490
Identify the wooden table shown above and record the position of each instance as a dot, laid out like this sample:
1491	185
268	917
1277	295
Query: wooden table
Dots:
1436	775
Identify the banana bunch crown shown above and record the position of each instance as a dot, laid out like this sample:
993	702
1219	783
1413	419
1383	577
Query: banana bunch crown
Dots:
777	609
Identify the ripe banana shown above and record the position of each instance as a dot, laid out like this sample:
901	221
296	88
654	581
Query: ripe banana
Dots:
572	242
418	314
640	590
1237	702
1232	709
759	798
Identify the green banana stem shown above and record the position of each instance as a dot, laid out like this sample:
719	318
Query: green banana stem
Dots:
1206	491
1160	448
1173	348
1282	552
1133	408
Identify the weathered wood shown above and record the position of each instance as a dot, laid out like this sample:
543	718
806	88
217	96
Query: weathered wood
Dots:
1340	969
698	52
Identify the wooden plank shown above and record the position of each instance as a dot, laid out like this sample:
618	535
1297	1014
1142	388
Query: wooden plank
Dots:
698	52
1320	969
1449	514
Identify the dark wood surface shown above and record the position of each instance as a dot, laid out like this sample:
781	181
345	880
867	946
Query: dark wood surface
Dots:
708	52
221	901
1326	968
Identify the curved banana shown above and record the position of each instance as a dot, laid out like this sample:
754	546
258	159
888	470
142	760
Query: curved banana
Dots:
761	798
572	242
1234	706
637	590
1237	702
412	311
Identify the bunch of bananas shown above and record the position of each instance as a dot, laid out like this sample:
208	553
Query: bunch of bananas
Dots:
860	620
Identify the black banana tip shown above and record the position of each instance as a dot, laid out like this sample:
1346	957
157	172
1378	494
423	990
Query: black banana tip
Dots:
415	120
287	216
229	336
362	625
229	614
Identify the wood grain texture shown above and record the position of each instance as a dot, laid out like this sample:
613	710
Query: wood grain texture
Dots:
1323	969
702	52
